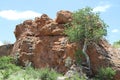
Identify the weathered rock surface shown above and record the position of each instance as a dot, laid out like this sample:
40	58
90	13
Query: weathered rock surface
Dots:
43	43
63	17
114	58
6	50
104	55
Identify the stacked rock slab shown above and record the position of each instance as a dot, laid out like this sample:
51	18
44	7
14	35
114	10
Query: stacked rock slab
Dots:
43	43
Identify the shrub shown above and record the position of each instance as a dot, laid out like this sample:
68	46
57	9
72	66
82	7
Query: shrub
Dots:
5	61
9	71
43	74
47	74
7	66
106	74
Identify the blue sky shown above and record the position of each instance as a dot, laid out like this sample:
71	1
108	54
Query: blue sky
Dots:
13	12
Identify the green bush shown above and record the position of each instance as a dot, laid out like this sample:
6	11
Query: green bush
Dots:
47	74
105	74
86	25
10	71
7	66
5	61
43	74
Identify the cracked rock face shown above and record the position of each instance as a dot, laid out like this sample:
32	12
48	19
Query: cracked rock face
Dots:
42	43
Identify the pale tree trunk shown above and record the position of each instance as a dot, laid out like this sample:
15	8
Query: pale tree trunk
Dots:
84	49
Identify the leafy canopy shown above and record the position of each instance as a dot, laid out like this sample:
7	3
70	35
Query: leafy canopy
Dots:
86	25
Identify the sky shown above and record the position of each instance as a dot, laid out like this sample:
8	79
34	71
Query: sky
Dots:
13	12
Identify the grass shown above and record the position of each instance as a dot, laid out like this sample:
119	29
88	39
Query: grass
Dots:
10	71
105	74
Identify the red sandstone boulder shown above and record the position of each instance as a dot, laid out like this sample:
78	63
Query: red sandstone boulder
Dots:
42	43
104	55
63	17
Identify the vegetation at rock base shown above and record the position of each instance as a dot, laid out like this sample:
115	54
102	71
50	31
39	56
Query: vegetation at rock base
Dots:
7	67
105	74
10	71
86	26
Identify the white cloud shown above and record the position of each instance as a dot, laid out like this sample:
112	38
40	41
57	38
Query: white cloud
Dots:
101	8
16	15
115	30
1	43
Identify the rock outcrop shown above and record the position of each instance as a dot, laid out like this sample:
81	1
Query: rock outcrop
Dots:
42	43
6	50
63	17
104	55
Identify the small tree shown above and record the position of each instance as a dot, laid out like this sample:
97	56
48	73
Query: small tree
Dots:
87	27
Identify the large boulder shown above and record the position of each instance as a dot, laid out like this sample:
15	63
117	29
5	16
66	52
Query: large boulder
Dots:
6	50
104	55
42	43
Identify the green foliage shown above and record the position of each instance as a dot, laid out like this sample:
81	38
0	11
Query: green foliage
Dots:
116	44
105	74
47	74
10	71
43	74
73	34
7	62
86	25
4	61
7	66
79	54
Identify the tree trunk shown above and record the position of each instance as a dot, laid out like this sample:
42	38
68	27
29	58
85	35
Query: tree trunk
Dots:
84	49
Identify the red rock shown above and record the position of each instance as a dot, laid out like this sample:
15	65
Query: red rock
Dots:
6	50
104	55
43	43
63	17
